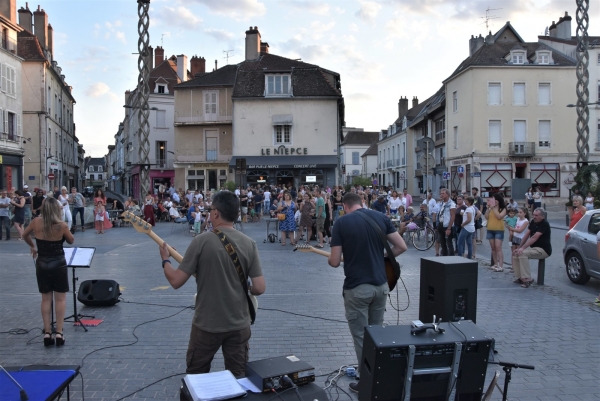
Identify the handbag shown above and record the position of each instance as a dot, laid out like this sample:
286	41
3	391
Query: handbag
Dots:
252	303
280	216
516	241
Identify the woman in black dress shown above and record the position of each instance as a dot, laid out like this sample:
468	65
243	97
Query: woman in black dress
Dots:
50	265
19	213
37	203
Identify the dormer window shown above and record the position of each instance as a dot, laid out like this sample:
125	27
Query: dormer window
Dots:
543	57
278	85
162	89
517	57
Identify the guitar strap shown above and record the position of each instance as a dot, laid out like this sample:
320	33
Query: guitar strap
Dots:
383	238
238	267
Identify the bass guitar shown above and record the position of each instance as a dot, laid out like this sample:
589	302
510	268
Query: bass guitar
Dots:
142	226
392	280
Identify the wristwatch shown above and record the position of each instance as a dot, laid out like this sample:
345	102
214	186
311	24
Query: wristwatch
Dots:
165	261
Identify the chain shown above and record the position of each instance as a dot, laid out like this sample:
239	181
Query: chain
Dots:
143	93
583	77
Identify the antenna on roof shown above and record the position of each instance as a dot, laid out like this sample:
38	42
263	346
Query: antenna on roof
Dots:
227	55
163	36
489	17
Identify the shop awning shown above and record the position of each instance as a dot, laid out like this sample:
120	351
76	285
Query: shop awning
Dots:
277	162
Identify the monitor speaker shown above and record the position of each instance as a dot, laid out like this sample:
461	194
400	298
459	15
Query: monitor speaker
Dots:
448	289
98	293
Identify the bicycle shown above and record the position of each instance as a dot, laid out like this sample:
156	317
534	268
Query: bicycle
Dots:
422	237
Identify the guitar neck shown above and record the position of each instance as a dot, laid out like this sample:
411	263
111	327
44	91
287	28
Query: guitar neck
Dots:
320	252
160	241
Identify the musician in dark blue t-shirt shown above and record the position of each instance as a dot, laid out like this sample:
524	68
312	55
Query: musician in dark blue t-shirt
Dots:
365	286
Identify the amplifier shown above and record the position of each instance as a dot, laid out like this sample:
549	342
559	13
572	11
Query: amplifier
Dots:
427	366
267	374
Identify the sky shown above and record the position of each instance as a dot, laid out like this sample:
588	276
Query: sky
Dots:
383	49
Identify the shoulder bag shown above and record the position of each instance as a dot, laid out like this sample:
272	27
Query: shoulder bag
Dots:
392	267
252	302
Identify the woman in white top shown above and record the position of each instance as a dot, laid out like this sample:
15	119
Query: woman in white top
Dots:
395	203
529	198
63	198
589	201
518	232
537	198
467	229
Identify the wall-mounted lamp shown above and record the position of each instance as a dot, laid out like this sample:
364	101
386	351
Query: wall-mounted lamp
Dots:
168	151
589	104
26	139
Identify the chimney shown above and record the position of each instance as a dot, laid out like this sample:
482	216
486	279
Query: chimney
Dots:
159	56
8	8
51	41
563	28
415	101
197	65
402	106
40	27
215	66
182	70
553	29
252	44
264	47
475	43
127	96
150	58
25	18
490	39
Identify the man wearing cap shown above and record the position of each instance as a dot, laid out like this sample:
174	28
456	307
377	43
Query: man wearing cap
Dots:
27	201
380	204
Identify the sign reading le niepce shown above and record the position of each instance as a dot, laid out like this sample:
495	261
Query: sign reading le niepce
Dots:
282	150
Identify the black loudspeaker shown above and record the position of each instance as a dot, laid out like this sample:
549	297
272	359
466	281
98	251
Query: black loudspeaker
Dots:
98	293
448	289
396	363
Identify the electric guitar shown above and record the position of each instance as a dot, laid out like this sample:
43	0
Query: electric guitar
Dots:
392	280
142	226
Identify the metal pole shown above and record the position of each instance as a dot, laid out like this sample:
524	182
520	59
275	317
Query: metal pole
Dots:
143	93
583	95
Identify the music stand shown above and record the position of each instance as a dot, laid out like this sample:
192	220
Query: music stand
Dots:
78	257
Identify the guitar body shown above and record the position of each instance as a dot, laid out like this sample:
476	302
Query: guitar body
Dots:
390	273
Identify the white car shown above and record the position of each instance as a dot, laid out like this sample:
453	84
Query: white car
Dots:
581	249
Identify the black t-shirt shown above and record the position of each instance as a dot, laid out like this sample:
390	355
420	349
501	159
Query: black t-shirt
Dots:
458	216
478	203
361	247
244	200
544	240
380	206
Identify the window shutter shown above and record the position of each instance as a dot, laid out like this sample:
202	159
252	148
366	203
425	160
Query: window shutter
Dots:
520	131
3	83
495	133
18	125
494	94
1	120
544	133
160	119
13	89
207	103
5	121
214	102
544	94
519	94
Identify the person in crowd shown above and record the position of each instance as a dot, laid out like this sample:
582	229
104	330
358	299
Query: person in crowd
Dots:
135	207
407	198
529	199
380	205
99	216
537	198
50	266
18	202
446	217
518	231
337	203
63	198
406	219
435	216
149	208
496	210
258	203
307	210
589	201
4	217
512	204
467	228
222	318
395	203
287	227
320	214
244	205
510	220
78	201
430	202
458	217
365	288
578	211
36	203
267	200
27	195
480	205
328	214
128	203
534	245
55	192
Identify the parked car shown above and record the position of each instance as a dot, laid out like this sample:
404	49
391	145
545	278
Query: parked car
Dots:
581	249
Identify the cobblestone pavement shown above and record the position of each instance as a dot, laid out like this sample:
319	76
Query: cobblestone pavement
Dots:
144	338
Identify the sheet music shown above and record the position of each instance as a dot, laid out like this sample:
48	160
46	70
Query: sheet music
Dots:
79	257
213	386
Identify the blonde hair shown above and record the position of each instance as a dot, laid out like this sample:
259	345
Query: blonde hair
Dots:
64	189
51	215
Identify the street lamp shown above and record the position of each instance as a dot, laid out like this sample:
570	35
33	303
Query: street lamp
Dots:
139	108
589	104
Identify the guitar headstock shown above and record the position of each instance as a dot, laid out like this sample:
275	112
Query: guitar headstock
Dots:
140	225
303	248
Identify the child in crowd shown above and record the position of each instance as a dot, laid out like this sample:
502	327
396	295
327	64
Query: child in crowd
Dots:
511	221
99	217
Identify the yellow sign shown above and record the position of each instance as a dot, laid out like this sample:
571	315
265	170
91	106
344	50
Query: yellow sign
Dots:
0	159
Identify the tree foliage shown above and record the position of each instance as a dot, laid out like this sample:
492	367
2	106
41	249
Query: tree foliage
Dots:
587	180
230	185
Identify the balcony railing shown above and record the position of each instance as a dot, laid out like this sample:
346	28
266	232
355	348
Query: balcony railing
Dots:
389	163
202	158
398	162
521	148
8	137
161	164
203	118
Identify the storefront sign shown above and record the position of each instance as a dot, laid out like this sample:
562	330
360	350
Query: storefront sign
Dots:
263	166
570	181
520	159
458	162
282	150
305	166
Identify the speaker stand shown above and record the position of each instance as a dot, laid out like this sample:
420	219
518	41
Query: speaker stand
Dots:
76	316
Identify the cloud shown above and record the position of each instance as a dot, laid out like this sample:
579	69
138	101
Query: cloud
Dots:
97	89
308	53
464	9
180	16
108	30
368	10
219	34
313	7
238	9
359	97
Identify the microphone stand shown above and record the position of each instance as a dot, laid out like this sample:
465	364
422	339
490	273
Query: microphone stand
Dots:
22	393
507	367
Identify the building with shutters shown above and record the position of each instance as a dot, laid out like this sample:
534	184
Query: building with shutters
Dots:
354	144
507	123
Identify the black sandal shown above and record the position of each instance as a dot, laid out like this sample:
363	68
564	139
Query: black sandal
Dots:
526	284
60	341
48	341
